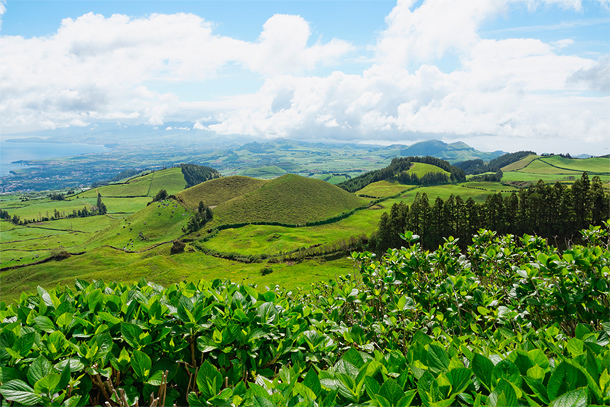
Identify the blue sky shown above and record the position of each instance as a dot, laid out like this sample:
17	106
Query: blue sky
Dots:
498	74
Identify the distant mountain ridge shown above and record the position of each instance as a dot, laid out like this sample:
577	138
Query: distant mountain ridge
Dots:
454	152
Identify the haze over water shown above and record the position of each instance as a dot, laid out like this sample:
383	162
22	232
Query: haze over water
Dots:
15	151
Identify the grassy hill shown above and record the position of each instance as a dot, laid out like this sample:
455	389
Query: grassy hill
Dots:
159	222
289	199
452	152
592	165
170	179
219	190
555	168
524	162
421	169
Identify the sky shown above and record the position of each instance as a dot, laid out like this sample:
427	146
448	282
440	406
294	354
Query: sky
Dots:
497	74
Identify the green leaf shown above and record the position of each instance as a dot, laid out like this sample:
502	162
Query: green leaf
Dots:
313	382
131	334
44	324
391	391
64	379
503	395
19	392
539	358
459	379
438	360
483	368
565	378
75	365
407	399
39	368
209	380
73	401
141	364
575	347
155	379
107	317
47	384
371	386
64	319
45	296
259	401
9	373
353	356
536	373
538	388
574	398
522	360
506	369
94	298
382	401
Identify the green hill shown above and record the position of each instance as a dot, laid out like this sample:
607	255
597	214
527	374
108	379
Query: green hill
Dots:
171	179
289	199
159	222
421	169
218	190
454	152
596	165
522	163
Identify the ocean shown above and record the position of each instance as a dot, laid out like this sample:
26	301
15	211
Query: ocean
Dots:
10	152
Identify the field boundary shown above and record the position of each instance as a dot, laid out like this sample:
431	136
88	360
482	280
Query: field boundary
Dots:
568	169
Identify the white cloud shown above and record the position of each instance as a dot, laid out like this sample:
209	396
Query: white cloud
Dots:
510	90
99	67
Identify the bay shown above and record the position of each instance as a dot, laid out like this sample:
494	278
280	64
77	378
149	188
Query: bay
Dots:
15	151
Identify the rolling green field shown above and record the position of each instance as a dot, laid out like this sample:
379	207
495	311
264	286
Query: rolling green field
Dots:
543	168
382	189
219	190
421	169
522	163
555	169
592	165
288	199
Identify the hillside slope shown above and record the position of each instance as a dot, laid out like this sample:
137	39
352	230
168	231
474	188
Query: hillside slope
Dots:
454	152
288	199
219	190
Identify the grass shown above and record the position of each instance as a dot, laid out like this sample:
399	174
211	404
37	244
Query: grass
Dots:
522	163
421	169
289	199
592	165
548	178
159	266
170	179
382	189
219	190
159	222
541	167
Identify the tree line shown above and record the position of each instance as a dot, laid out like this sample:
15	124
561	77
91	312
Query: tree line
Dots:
477	166
99	209
196	174
397	169
555	212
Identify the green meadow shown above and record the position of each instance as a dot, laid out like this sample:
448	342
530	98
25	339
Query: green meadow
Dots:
134	238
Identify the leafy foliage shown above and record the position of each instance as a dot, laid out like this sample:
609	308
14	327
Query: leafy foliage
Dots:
511	322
